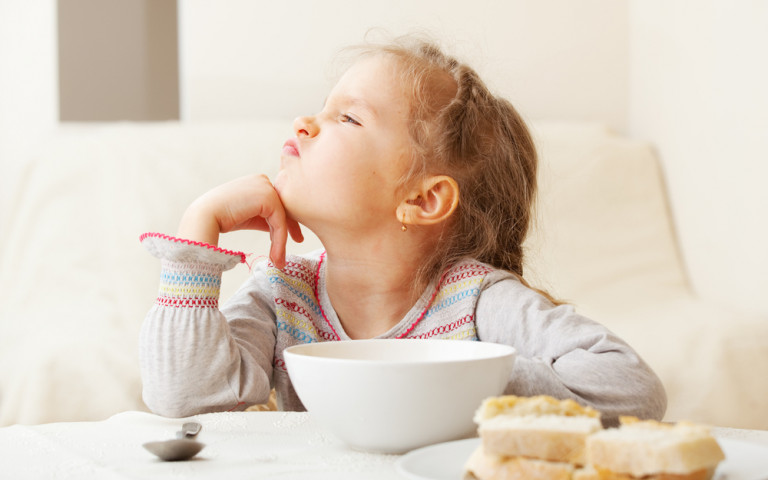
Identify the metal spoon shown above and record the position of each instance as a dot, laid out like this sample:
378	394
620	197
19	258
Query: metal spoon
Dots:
183	447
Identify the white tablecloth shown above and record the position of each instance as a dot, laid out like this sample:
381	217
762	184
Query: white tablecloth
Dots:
238	446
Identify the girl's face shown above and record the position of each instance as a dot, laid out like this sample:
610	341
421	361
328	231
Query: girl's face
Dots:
341	171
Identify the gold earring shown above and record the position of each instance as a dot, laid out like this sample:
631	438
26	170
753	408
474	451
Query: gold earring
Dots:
403	228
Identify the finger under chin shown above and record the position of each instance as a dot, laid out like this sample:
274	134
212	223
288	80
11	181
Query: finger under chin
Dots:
279	238
294	229
277	259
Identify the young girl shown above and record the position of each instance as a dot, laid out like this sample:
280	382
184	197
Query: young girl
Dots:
419	183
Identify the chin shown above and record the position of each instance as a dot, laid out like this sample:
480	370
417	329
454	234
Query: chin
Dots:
278	182
294	213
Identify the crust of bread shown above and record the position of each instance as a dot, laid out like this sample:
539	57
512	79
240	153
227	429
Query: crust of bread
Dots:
646	448
586	473
484	466
704	474
537	405
548	437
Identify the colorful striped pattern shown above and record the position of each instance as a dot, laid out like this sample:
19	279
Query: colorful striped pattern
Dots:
451	315
300	318
189	285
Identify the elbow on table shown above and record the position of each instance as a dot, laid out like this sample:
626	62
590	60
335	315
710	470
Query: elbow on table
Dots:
657	406
646	401
651	396
175	400
177	407
175	403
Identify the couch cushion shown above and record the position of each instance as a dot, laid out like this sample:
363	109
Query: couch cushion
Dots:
604	231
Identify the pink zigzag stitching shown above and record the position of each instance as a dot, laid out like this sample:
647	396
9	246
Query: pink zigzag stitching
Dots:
297	270
317	296
466	271
187	302
296	308
192	242
447	328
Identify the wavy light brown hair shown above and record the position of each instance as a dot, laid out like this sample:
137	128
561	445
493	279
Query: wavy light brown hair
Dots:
459	128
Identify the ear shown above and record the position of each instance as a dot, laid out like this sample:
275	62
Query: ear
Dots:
432	202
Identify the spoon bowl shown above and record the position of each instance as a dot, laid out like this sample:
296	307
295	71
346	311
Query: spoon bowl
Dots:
175	450
183	447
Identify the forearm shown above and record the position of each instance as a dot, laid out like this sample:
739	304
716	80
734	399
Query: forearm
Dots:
616	383
190	364
192	359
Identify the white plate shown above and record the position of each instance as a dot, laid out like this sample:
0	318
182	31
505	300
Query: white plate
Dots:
445	461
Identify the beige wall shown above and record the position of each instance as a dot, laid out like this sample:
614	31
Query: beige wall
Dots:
118	60
698	92
552	58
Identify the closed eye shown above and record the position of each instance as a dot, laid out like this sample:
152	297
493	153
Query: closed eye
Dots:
345	118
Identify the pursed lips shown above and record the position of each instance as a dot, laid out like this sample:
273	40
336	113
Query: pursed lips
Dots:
291	148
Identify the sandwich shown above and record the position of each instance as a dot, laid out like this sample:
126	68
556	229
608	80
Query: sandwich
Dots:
654	451
542	438
531	438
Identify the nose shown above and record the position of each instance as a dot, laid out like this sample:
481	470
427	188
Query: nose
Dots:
305	127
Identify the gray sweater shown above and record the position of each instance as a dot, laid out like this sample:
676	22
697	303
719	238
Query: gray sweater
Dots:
198	358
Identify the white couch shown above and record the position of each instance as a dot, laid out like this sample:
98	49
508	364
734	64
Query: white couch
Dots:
76	283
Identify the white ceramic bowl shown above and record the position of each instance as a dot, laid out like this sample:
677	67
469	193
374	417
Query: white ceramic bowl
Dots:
391	396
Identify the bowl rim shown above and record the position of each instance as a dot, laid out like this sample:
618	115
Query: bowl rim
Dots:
295	351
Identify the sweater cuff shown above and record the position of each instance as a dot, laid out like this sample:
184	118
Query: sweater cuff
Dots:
189	285
179	250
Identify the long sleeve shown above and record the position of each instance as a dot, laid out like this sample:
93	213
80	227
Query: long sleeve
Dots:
566	355
194	357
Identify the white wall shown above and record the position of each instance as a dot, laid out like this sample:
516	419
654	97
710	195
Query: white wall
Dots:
28	77
28	85
699	92
552	58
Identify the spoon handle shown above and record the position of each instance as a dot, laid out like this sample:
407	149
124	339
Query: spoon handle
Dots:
189	430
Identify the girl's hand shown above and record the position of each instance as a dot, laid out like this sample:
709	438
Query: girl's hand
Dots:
248	203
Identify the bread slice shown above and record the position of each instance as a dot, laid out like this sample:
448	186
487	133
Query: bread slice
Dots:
538	405
485	466
539	427
545	437
605	475
652	449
